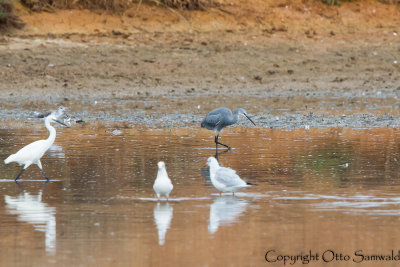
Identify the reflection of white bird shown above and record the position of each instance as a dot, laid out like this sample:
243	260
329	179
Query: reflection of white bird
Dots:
224	211
31	209
32	153
162	185
162	218
56	151
225	179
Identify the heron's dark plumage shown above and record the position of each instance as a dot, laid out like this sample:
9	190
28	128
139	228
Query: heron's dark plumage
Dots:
219	118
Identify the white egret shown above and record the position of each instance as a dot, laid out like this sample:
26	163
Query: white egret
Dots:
32	153
225	179
162	185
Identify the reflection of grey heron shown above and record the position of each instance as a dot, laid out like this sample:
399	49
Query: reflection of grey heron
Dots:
162	218
162	185
30	208
32	153
219	118
224	211
225	179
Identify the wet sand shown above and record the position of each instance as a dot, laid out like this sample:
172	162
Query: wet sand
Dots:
177	78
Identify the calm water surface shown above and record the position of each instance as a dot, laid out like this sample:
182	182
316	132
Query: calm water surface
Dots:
319	189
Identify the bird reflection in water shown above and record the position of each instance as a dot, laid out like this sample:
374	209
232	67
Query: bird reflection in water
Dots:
162	217
56	151
224	211
30	209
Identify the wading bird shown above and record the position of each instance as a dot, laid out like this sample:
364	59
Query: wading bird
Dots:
32	153
225	179
219	118
162	185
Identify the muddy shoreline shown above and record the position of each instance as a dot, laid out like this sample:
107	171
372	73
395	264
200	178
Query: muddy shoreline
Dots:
175	79
117	112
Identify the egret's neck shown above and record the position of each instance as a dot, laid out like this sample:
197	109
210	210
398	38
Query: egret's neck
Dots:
52	132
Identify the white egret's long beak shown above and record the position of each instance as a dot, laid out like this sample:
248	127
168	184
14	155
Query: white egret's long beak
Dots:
60	122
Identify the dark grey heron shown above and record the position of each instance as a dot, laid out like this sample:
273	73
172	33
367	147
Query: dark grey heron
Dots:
219	118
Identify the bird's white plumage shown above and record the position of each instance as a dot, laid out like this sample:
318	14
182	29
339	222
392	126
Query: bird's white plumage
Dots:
224	179
162	185
32	153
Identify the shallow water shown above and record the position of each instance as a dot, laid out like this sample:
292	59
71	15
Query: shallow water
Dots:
319	189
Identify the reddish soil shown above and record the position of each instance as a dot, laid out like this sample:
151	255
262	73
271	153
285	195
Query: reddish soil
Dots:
245	48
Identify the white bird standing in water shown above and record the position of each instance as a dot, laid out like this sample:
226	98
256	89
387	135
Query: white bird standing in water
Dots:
162	185
225	179
32	153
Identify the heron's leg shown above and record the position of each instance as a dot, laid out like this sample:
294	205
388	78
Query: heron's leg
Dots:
44	173
219	143
19	174
228	147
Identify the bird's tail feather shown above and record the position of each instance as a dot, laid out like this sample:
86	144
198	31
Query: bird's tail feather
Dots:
9	159
250	184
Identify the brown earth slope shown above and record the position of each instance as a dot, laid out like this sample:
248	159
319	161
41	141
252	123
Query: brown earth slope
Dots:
239	48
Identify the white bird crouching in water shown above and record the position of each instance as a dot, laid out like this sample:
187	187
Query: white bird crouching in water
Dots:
32	153
162	185
225	179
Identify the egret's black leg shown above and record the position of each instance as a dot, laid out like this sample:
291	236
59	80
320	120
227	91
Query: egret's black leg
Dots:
219	143
41	168
19	174
45	175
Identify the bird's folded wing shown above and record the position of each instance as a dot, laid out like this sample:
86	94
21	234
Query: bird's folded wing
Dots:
213	120
228	177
